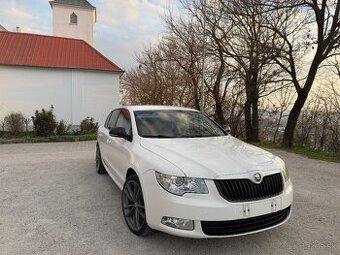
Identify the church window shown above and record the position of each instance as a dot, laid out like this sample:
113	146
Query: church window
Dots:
73	18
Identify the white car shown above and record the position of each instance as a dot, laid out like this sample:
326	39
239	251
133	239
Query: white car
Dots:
182	174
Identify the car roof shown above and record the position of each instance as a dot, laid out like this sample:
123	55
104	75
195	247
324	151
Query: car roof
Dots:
156	107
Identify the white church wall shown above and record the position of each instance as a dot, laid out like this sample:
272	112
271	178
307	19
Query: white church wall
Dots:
62	27
95	94
25	89
75	94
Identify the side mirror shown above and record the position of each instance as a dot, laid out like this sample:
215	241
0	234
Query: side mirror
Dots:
227	129
118	132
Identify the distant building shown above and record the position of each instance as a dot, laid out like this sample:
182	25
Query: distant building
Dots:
73	18
2	28
37	71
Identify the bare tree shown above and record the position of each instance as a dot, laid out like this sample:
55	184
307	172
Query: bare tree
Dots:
27	121
184	48
331	98
251	50
3	124
318	126
157	80
306	126
335	66
284	98
15	122
239	52
186	32
319	22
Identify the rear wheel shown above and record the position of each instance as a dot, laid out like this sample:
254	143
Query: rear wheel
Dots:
133	207
99	164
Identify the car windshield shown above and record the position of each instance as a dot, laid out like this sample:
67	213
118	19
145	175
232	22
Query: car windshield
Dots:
175	124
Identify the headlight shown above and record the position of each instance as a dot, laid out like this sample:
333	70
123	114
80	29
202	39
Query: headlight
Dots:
179	185
285	173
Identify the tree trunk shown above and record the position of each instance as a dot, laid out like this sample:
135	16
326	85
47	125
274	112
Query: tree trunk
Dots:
219	116
252	117
288	136
197	99
278	126
251	108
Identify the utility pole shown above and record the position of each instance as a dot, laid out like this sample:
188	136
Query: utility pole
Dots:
203	57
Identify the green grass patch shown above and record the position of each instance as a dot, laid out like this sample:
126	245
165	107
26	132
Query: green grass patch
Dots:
301	150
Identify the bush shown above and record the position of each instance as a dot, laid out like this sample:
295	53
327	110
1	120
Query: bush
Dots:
62	128
44	122
88	126
14	122
27	121
3	125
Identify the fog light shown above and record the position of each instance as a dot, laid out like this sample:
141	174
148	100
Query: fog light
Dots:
178	223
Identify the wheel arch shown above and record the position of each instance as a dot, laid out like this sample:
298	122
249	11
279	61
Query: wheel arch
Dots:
130	172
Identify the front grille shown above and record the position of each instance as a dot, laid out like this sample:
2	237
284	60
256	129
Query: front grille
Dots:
233	227
241	190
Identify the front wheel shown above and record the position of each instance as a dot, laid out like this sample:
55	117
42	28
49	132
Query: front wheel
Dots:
99	164
133	207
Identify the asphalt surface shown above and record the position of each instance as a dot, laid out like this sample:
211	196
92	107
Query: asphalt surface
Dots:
53	202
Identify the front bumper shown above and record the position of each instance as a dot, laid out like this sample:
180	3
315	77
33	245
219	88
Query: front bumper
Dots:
208	208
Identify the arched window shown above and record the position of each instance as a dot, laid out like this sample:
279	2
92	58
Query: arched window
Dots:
73	18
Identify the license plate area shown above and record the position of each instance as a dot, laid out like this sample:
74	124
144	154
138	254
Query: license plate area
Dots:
261	207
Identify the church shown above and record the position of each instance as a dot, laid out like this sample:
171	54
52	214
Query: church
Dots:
63	70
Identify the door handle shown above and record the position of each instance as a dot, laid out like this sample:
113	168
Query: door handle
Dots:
108	141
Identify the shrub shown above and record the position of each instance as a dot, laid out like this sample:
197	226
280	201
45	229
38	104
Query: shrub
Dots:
88	126
27	121
15	122
44	122
76	132
62	128
3	125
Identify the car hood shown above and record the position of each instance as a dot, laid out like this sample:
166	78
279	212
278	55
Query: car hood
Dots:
213	157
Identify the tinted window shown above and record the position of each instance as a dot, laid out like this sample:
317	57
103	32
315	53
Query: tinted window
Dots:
108	120
124	121
113	119
175	124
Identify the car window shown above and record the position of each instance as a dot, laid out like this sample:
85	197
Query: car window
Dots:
107	120
113	119
175	124
124	121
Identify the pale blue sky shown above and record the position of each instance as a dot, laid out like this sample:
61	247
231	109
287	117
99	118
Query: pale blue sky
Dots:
123	27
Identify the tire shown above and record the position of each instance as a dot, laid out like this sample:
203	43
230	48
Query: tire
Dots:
99	164
133	207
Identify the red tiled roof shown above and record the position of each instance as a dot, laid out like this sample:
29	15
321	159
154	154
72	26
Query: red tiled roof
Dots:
2	28
49	51
79	3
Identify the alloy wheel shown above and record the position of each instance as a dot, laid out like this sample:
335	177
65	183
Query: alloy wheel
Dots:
98	159
133	205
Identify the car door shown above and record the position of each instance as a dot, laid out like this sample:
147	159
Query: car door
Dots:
101	137
120	148
105	138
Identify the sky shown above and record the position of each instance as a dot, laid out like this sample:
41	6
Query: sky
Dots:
123	28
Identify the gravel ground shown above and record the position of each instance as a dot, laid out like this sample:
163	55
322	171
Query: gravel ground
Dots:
53	202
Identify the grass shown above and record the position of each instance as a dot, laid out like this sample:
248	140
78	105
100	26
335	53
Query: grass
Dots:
301	150
31	138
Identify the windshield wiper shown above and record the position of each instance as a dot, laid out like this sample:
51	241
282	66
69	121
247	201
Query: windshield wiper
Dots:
197	136
157	136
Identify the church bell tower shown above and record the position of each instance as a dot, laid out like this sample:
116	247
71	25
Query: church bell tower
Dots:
73	19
